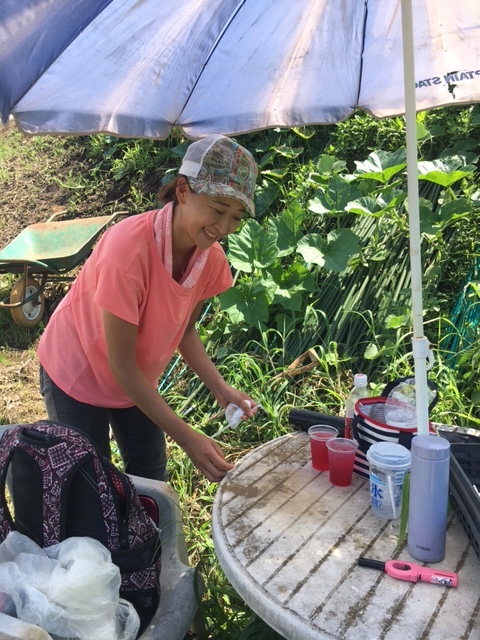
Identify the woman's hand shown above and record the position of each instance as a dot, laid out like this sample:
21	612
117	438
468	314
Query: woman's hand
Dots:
194	353
228	395
207	456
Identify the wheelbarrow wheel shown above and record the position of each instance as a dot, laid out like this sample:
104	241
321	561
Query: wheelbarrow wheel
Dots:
30	313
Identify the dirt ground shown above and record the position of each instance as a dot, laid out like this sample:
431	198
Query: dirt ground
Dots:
33	174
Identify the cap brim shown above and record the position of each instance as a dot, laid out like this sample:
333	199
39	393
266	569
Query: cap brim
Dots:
209	189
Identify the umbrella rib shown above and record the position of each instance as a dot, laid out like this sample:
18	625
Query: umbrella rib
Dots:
214	46
364	31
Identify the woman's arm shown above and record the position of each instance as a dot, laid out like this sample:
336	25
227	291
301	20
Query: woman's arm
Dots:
121	339
195	355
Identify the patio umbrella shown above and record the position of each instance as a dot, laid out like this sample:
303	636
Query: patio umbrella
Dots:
138	68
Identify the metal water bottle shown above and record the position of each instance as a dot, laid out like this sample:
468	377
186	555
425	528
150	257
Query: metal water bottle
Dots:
428	503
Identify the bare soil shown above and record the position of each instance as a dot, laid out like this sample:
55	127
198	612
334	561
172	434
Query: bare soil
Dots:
32	172
33	175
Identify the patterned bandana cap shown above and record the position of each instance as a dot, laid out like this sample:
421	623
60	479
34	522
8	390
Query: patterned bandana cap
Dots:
217	165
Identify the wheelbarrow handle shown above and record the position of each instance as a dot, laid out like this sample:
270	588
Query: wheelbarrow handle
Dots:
54	216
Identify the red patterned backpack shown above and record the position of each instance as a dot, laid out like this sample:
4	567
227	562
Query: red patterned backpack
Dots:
61	486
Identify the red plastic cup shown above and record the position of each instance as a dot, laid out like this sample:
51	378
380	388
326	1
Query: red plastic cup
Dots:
319	434
341	456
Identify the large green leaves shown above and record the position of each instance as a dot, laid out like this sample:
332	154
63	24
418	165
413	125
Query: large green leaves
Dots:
246	302
329	165
252	248
332	252
445	171
432	222
351	268
288	228
382	165
377	206
290	285
335	197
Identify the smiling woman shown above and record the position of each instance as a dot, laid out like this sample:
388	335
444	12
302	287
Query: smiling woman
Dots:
136	301
199	221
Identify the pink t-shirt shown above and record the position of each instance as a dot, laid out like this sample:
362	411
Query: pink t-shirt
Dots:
125	276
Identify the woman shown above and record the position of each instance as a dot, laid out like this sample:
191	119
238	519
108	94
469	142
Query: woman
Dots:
136	301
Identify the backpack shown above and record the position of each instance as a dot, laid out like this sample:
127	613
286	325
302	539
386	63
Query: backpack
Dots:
61	486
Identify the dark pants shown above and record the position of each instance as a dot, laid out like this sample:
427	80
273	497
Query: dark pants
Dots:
140	442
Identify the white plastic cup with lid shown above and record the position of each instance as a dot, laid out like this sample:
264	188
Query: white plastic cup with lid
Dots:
388	464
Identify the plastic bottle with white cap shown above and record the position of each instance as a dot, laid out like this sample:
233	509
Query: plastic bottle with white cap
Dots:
358	391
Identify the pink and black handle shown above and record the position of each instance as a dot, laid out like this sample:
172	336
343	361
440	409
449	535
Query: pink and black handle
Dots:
412	572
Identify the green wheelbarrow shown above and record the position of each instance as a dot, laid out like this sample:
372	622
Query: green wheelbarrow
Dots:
46	250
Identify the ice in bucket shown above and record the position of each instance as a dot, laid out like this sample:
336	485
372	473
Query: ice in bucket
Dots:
388	465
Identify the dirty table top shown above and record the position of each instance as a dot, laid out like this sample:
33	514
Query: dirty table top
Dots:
289	542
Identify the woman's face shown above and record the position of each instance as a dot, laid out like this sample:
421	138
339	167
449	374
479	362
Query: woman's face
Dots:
207	219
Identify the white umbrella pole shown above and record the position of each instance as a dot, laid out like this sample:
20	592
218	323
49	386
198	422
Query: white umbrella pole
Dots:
421	346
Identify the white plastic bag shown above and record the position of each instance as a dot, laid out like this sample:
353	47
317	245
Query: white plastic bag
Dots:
71	590
401	408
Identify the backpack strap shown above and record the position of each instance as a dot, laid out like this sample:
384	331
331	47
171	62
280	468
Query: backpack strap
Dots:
6	443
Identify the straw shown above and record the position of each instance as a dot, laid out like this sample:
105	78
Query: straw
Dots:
392	496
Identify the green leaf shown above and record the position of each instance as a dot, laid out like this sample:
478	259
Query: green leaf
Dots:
267	158
320	204
395	322
365	206
428	219
180	150
327	165
335	197
288	228
278	174
388	350
445	171
288	152
380	255
422	131
443	179
304	133
376	206
292	285
391	199
433	222
252	248
246	302
453	210
265	196
333	253
382	165
370	352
